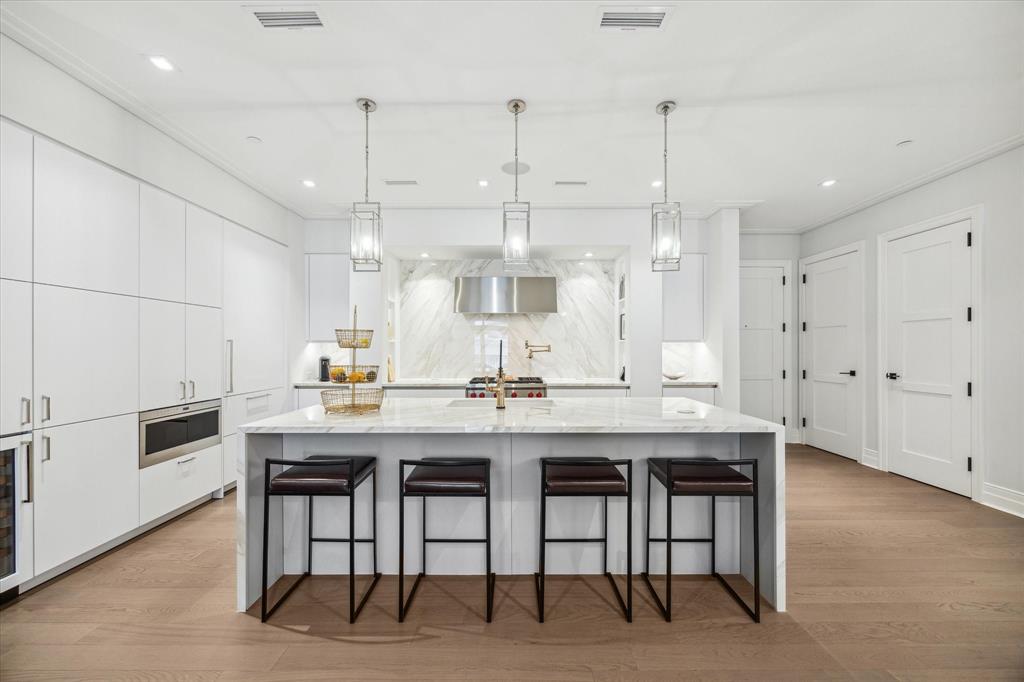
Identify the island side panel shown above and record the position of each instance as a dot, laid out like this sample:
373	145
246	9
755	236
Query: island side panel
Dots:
446	517
256	449
770	451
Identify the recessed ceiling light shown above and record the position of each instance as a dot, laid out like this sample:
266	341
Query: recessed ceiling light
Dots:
656	183
161	63
828	183
254	139
482	182
588	254
904	143
309	183
424	255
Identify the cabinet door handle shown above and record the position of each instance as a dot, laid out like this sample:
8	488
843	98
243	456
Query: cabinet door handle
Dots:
182	389
257	397
30	484
26	404
46	449
192	388
231	366
851	373
46	408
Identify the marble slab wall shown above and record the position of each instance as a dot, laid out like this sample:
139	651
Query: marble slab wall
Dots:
436	342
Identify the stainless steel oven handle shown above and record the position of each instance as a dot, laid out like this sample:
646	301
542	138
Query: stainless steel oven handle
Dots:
29	483
46	449
186	461
26	404
231	366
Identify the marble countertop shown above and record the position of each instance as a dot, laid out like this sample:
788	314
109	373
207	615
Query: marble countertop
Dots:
523	415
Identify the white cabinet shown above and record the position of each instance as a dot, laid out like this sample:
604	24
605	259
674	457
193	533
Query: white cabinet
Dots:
204	248
255	294
175	483
180	351
229	455
86	487
308	397
682	300
203	367
702	393
161	245
15	356
86	222
86	355
162	353
15	202
327	306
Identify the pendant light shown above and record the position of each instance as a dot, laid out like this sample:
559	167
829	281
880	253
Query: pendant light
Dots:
666	218
516	214
366	250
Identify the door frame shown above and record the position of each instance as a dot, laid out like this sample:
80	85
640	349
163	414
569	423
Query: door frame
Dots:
975	215
857	248
787	340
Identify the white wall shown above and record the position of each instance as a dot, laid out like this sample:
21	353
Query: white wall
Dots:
997	185
39	96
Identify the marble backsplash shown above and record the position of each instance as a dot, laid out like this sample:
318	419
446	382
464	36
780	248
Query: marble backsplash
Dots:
436	342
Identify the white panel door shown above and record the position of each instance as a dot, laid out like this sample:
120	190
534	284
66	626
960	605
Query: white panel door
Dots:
162	354
15	356
832	348
326	295
204	266
762	356
682	300
15	202
86	487
928	355
161	245
255	292
86	222
203	369
86	355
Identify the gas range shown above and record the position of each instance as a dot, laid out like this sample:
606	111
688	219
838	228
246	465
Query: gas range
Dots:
517	387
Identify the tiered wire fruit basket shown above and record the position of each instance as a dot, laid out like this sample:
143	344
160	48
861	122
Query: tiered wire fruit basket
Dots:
353	400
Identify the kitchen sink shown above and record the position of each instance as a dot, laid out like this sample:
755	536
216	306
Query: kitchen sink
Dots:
509	402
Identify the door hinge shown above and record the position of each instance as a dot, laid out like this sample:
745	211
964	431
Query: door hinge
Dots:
803	278
803	421
783	421
804	373
968	239
968	389
970	464
968	313
804	326
783	326
783	374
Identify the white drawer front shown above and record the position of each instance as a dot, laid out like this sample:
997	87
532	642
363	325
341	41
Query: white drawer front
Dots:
172	484
250	407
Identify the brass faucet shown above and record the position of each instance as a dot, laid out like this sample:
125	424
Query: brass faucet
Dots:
498	389
532	348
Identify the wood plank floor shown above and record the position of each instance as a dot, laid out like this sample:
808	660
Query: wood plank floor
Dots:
889	579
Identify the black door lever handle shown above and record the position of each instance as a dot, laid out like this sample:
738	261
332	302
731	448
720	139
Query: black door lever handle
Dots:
851	373
892	375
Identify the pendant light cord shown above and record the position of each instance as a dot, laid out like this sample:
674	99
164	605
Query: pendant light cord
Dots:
516	124
664	174
366	142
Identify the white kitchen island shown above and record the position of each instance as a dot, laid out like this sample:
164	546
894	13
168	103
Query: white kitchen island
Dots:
514	439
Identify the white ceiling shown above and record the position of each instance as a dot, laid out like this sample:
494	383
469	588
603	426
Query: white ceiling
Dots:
773	97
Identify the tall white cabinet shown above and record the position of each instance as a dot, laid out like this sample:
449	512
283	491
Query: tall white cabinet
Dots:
15	356
15	202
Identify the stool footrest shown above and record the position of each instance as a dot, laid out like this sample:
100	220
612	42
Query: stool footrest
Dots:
443	540
340	540
681	540
575	539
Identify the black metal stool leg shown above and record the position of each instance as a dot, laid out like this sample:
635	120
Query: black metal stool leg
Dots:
401	550
668	552
374	511
266	529
309	537
647	525
629	543
488	575
423	539
352	556
543	545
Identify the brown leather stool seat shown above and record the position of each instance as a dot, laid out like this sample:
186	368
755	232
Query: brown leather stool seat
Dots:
702	479
567	479
446	480
326	479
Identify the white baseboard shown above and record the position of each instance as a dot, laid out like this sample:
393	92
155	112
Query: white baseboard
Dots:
869	458
1003	499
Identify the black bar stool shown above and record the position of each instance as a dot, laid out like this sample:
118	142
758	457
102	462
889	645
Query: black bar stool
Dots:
587	477
701	477
322	476
443	477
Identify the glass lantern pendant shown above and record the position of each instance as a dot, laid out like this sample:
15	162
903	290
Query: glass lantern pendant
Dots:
666	216
515	218
367	250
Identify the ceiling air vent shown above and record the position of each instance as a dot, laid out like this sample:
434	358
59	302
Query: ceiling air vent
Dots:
630	18
570	183
401	183
292	18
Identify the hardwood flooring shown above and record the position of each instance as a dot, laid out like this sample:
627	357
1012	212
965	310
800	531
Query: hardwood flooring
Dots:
889	579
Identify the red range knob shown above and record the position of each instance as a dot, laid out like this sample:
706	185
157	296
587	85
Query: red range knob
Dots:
514	394
529	395
472	395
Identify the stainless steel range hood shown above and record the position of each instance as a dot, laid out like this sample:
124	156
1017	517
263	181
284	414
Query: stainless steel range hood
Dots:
505	295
